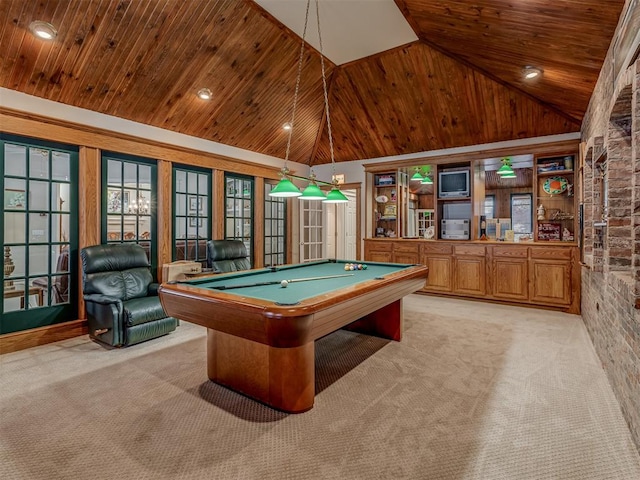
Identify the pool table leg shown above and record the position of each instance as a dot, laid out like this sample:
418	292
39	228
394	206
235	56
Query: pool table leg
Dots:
386	322
283	378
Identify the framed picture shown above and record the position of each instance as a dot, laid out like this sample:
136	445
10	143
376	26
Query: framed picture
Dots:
195	204
195	221
390	210
14	199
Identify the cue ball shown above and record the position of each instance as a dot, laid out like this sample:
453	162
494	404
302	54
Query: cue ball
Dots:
284	283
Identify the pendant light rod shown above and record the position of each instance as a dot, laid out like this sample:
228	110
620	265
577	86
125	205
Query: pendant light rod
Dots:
297	89
335	195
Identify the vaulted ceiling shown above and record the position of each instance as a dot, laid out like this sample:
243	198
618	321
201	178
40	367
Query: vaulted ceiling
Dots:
459	84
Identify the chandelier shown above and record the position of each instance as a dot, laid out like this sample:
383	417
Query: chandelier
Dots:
285	187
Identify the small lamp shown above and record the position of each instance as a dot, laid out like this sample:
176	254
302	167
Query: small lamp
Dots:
426	180
285	187
312	192
417	176
505	169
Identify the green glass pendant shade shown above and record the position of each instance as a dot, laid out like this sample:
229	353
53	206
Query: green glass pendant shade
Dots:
285	188
312	192
505	169
417	176
427	180
509	175
336	196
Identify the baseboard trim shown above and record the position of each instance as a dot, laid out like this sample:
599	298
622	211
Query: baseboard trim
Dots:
13	342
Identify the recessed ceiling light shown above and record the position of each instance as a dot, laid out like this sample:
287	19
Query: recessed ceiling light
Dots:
204	94
530	72
286	126
43	30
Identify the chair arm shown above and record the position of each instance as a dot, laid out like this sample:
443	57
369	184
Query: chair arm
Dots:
152	291
104	300
104	317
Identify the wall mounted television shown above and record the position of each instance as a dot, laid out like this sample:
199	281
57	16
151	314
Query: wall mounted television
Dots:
453	184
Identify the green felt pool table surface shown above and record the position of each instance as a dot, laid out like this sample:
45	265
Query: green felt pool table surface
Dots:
295	292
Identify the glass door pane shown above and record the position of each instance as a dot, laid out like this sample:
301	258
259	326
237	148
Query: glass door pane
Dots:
129	203
39	234
239	210
192	217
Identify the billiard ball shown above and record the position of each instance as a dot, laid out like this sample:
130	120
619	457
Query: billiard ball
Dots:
284	283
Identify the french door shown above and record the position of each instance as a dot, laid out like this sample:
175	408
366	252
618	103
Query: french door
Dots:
39	233
312	231
129	203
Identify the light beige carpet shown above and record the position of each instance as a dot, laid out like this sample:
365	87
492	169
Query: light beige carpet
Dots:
474	391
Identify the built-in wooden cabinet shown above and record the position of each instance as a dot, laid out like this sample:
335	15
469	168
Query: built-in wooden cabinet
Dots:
550	275
509	273
531	274
469	270
439	258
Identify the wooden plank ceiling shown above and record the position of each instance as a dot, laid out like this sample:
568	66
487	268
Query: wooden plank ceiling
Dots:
460	84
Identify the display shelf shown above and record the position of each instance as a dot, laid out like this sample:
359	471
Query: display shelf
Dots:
385	201
555	218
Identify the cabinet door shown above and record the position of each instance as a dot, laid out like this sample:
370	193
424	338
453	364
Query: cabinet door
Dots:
550	281
439	278
469	275
375	251
378	256
510	278
406	253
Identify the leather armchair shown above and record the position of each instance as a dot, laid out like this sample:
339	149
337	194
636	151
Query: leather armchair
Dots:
122	303
227	256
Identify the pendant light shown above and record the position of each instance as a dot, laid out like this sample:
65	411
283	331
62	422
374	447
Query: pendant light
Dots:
285	187
426	180
505	169
312	192
417	176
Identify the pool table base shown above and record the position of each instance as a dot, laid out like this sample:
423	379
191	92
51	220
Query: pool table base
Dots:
283	378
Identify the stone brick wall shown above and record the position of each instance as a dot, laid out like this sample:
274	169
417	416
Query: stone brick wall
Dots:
611	290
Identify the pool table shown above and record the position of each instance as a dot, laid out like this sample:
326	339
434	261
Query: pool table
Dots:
260	337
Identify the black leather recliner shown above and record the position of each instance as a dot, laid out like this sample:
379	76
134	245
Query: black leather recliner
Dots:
227	256
122	303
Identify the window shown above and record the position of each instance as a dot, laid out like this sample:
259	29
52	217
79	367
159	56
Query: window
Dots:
239	210
191	213
521	213
39	233
129	202
489	206
275	228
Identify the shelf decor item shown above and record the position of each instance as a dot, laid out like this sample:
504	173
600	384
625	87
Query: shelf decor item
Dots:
555	185
429	232
549	231
390	210
385	180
